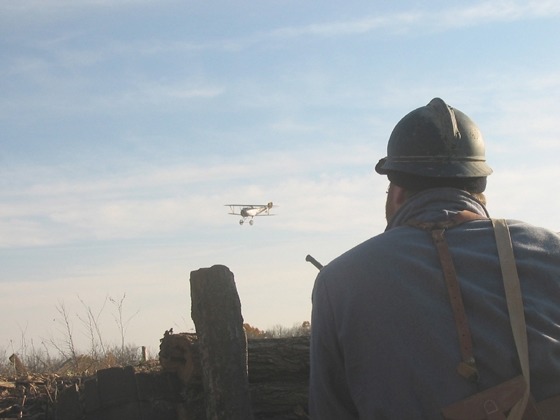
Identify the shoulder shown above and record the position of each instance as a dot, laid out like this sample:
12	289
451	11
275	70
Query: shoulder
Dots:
377	257
528	229
535	238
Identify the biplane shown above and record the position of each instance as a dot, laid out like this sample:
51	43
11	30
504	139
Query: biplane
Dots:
249	211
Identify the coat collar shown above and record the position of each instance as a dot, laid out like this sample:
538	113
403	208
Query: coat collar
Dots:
436	205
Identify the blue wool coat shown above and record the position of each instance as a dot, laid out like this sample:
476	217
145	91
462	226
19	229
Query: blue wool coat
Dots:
383	339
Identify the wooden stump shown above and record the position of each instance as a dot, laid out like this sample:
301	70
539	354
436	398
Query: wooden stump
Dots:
216	312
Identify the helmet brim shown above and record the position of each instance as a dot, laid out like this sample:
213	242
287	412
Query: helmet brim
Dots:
433	167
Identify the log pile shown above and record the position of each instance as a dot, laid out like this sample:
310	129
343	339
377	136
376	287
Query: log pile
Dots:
215	374
278	372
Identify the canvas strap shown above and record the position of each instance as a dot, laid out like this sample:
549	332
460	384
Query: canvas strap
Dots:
515	308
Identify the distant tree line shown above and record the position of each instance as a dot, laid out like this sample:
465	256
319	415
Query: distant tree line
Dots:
278	331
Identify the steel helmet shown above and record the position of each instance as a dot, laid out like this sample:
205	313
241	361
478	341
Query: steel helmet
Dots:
438	141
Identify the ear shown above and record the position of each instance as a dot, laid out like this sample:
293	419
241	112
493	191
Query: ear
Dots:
397	195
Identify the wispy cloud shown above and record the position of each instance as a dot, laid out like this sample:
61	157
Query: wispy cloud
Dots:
489	12
55	7
481	13
290	125
349	27
60	73
158	199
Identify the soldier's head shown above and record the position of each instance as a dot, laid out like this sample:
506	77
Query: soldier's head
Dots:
435	146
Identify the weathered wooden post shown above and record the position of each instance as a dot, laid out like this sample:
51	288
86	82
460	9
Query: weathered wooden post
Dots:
216	312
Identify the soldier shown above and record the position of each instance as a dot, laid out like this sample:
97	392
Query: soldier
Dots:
414	323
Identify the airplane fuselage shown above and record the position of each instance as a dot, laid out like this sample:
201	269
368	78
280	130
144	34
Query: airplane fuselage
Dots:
251	212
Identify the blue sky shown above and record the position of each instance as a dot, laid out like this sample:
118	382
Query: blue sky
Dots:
125	126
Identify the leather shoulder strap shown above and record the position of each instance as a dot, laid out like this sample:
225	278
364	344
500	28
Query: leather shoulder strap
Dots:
467	366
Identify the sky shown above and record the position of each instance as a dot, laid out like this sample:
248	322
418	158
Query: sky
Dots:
127	125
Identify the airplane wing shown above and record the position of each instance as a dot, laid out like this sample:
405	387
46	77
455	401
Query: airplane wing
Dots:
252	206
235	208
255	209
